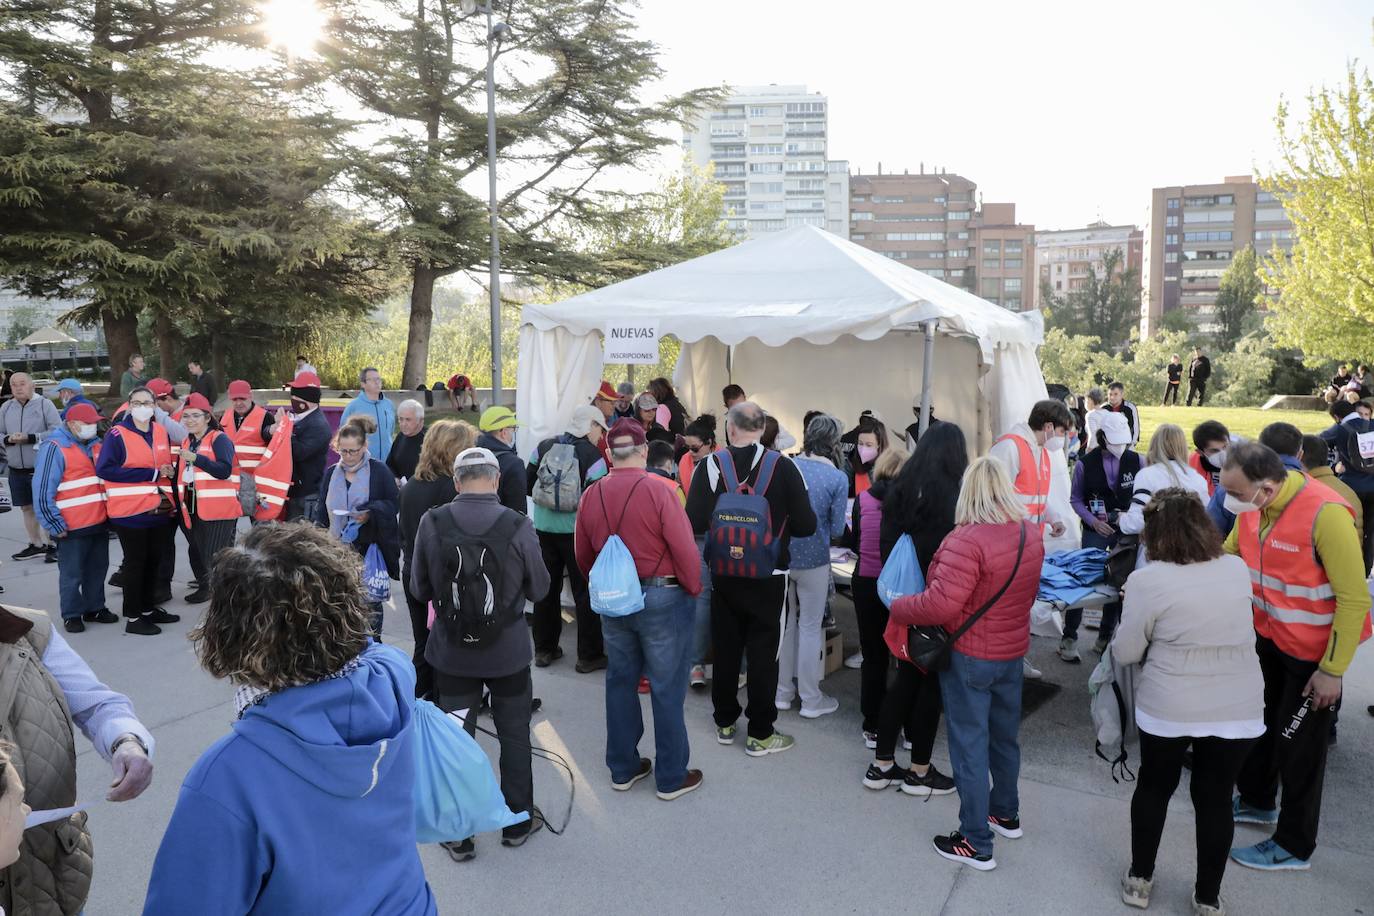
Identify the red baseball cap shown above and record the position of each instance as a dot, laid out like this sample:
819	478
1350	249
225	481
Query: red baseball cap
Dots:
606	393
625	433
240	389
305	379
83	413
196	401
160	387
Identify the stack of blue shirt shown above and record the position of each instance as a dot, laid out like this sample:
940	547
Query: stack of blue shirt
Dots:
1068	577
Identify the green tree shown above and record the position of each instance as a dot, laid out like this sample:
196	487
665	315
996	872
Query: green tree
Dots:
1106	307
1238	298
1179	319
569	80
186	191
1326	184
24	320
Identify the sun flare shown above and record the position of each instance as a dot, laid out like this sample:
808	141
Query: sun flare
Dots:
293	25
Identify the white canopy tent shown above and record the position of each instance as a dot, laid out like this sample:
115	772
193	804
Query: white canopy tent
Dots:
802	320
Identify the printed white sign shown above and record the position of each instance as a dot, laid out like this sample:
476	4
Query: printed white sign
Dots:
1365	441
632	342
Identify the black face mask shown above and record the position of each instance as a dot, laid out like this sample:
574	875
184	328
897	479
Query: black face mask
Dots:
299	406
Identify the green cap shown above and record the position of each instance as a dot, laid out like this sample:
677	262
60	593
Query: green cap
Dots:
495	418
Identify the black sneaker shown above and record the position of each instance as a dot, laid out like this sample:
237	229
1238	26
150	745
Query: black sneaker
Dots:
461	852
199	596
142	626
158	615
587	666
51	555
1009	827
101	616
878	779
29	552
933	783
117	579
544	659
957	848
516	834
73	625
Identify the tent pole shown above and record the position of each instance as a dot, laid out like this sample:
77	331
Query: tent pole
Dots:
927	365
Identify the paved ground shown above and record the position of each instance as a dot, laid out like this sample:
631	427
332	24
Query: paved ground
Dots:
795	832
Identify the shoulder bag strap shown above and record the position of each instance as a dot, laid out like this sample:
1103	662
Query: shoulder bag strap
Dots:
964	627
623	509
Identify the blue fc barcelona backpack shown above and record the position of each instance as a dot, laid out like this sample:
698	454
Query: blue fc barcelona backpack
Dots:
740	541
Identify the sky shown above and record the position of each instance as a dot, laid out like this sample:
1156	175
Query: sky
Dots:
1072	110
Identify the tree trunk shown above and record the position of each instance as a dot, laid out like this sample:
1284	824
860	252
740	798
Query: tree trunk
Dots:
217	360
416	365
121	340
166	347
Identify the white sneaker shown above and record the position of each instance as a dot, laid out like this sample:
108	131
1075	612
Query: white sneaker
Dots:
855	661
698	677
1068	650
824	707
1030	671
782	703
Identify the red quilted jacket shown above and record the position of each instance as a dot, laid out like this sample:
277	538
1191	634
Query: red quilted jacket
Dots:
972	563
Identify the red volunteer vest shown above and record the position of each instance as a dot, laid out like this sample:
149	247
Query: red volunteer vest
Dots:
80	496
216	500
124	500
273	473
247	438
1032	483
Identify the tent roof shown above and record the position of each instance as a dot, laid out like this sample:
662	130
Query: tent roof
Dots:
802	283
48	335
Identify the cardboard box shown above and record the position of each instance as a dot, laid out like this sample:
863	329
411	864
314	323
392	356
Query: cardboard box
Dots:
834	652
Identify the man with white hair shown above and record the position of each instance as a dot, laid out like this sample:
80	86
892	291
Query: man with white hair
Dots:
410	436
26	420
473	555
559	471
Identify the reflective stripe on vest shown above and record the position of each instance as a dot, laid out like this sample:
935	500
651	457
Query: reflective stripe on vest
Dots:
273	475
216	500
247	437
124	500
80	496
1293	601
1032	485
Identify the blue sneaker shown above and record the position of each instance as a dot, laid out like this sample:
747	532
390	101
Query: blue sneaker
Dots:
1269	856
1244	814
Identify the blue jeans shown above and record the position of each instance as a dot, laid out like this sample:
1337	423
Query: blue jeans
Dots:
701	639
982	718
654	643
82	561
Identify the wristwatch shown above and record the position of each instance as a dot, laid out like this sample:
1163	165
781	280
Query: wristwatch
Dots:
128	736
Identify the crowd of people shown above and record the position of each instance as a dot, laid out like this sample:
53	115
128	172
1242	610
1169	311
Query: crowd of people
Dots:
699	557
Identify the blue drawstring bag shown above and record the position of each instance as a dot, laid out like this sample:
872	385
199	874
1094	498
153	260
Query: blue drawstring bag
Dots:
613	583
376	580
456	793
901	573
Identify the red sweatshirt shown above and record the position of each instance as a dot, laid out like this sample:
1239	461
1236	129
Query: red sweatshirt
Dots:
654	527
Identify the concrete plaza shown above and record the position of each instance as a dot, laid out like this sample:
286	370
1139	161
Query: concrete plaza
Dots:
794	832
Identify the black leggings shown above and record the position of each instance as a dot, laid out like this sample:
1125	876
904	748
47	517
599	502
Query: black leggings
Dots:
1216	761
912	702
872	618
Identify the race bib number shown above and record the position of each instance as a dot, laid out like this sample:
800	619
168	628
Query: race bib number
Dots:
1097	507
1366	444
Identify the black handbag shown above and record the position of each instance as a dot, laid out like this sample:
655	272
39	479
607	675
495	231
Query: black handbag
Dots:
928	647
1121	560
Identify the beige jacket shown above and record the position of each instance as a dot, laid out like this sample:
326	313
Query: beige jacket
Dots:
1193	627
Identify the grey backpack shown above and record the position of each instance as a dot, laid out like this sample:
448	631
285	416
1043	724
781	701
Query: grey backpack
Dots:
558	484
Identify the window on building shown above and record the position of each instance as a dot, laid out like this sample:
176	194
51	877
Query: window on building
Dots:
1058	285
934	255
1170	257
992	246
1271	215
1273	235
765	206
765	168
956	273
961	235
858	199
1210	216
957	215
1012	247
1172	203
1170	222
1220	235
1011	285
934	271
960	195
992	263
991	288
765	111
765	187
1264	197
860	215
957	253
1011	263
1171	238
765	149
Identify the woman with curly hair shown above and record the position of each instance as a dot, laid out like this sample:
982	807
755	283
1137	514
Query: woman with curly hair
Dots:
315	780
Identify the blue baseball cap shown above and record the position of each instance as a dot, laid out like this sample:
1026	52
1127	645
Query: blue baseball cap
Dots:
69	384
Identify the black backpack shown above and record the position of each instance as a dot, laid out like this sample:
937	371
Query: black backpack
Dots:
470	603
1359	460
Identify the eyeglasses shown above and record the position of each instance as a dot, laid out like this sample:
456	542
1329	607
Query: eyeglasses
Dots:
140	403
350	451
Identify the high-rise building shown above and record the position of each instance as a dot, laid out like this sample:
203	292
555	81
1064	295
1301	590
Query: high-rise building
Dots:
767	146
931	221
1063	256
1191	234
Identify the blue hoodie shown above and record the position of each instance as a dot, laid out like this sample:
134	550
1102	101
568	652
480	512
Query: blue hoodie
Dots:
380	410
307	807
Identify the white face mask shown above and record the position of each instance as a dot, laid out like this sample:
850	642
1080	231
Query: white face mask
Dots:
1117	450
1218	459
141	413
86	431
1054	444
1239	506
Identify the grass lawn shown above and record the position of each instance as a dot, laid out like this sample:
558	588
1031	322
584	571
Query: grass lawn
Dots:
1241	421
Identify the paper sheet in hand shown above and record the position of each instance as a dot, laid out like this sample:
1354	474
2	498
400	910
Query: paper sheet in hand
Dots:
36	818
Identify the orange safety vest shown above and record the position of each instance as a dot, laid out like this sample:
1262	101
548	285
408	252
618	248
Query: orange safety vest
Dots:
247	438
1032	484
1292	599
80	496
216	500
273	474
124	500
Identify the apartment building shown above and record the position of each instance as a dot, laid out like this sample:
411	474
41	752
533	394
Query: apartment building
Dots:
768	146
1064	257
1006	257
1191	234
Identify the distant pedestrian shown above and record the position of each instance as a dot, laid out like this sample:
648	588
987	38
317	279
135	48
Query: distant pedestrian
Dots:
1199	371
1117	403
461	394
654	642
988	568
133	376
25	421
318	771
504	550
303	365
1174	374
202	382
371	403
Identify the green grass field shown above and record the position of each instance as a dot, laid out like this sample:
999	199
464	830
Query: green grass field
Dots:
1241	421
